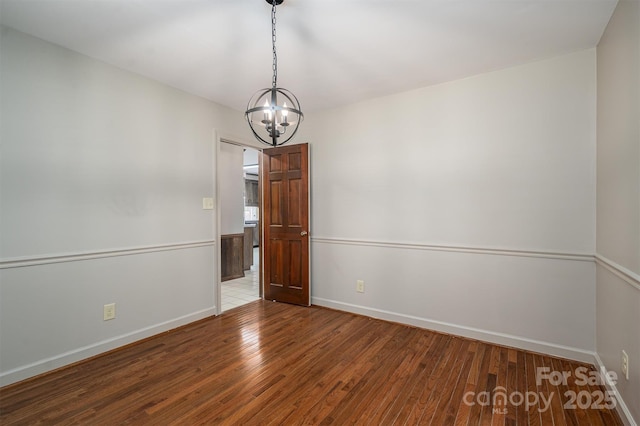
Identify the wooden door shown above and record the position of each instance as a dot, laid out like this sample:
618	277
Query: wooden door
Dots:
285	210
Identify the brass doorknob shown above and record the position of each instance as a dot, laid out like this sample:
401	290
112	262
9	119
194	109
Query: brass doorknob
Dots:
303	233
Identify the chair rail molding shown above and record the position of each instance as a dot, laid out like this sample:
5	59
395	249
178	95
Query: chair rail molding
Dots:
498	251
621	272
20	262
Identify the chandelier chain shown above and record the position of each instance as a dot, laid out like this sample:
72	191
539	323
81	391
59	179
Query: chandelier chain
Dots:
274	114
273	44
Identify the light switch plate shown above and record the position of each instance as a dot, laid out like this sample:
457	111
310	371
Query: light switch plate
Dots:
207	203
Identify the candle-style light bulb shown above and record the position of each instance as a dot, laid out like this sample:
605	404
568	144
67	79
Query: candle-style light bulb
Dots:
284	115
267	110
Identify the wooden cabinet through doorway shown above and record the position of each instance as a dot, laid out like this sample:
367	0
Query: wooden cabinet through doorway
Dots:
232	255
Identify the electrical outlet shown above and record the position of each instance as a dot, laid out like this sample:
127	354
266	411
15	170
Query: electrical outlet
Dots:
625	365
360	286
109	311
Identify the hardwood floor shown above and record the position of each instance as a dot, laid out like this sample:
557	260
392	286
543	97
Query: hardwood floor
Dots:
273	363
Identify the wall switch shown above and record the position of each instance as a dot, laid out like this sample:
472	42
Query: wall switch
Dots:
360	286
109	311
625	365
207	203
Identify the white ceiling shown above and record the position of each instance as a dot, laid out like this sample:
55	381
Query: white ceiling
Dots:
330	52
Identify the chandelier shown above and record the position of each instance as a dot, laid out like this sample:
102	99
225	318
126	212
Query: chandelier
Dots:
272	112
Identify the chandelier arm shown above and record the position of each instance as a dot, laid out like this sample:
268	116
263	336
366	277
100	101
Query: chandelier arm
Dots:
294	101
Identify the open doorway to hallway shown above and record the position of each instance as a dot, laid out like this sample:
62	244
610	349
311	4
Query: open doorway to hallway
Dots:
242	290
240	226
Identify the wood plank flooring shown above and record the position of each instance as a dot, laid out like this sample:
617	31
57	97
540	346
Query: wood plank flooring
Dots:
271	363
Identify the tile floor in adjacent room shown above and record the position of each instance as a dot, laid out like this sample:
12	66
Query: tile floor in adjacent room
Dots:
242	290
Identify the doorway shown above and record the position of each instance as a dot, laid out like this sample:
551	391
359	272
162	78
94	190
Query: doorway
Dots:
285	181
239	225
281	219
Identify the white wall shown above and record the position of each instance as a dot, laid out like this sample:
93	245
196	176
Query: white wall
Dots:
231	186
102	174
618	199
467	207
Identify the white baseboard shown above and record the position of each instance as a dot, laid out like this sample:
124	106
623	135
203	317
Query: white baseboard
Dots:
459	330
61	360
621	407
487	336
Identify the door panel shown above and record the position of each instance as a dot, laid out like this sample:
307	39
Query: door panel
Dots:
295	264
285	180
276	199
294	208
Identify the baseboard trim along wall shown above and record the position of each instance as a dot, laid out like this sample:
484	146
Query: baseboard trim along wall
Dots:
333	299
621	407
20	262
487	336
459	330
61	360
